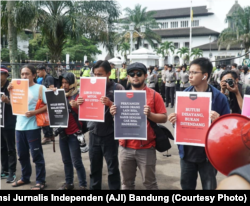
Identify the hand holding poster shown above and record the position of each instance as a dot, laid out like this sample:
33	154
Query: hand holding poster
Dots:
91	90
2	105
57	108
193	117
246	106
19	96
130	120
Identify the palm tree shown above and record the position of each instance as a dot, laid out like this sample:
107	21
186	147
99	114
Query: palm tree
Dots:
196	52
139	16
167	47
160	51
239	32
124	48
184	53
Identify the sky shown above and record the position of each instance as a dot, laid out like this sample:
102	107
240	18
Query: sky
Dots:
168	4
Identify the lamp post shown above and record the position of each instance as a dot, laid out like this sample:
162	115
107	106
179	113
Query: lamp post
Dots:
210	54
131	30
143	29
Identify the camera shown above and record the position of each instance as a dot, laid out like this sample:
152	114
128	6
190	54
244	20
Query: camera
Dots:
60	131
230	82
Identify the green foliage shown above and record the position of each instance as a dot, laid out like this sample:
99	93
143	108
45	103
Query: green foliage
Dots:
167	47
124	48
5	55
196	52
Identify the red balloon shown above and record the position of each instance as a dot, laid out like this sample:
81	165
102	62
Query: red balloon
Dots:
228	142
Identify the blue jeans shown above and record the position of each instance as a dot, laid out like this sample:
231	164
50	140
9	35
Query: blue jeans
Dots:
30	141
106	147
189	175
71	155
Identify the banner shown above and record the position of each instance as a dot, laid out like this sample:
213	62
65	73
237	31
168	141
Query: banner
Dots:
246	106
193	117
2	105
91	90
19	96
130	120
57	108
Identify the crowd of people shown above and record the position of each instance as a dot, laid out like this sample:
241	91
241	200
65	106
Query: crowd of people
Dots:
22	134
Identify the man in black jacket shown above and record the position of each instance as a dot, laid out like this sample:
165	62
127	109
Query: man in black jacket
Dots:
8	145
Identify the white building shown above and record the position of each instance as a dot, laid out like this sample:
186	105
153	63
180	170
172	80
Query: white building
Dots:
208	21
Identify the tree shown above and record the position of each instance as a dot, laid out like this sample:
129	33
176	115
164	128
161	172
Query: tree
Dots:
196	52
239	32
124	48
183	51
167	47
139	16
160	51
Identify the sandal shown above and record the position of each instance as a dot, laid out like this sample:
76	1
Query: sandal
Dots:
39	186
20	183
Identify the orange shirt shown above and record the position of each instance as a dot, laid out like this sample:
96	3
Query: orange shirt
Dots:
156	103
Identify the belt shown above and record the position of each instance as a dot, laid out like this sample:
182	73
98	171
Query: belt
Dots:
170	82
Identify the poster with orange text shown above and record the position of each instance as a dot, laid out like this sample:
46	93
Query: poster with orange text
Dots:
19	96
193	117
91	90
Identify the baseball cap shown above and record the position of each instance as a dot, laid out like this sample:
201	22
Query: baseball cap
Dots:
4	69
137	66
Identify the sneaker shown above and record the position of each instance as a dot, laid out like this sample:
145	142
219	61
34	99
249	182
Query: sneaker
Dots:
84	148
83	188
4	175
11	178
45	140
66	186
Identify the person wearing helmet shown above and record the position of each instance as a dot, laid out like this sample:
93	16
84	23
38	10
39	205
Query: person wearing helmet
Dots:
85	71
69	141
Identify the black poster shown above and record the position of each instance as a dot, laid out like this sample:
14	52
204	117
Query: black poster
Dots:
2	105
57	108
130	120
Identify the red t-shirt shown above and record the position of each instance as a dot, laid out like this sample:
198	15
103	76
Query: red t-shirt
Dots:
72	125
157	106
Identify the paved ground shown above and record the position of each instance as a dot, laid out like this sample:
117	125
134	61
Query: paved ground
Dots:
167	169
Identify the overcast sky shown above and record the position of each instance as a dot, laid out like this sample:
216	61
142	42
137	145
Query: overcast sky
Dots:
168	4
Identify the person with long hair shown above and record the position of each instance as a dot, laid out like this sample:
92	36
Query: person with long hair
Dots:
28	134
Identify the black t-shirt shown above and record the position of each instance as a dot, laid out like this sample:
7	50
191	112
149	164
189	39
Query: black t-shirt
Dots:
195	154
47	81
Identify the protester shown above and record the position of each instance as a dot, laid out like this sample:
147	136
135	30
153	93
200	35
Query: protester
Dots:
85	71
101	136
170	86
245	75
234	68
184	78
151	78
155	71
8	141
113	75
48	82
69	141
28	134
238	179
193	158
137	153
178	79
163	77
235	92
216	77
123	75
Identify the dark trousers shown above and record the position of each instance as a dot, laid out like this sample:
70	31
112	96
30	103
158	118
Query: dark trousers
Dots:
157	89
123	83
47	131
106	147
178	87
189	175
71	156
163	91
8	150
169	93
26	141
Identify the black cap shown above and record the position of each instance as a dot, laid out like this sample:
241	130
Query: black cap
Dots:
137	66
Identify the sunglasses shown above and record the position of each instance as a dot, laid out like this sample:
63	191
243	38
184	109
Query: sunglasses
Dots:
132	74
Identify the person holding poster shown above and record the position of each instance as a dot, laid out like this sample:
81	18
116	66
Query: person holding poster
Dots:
234	90
193	158
101	136
8	140
28	134
71	137
139	153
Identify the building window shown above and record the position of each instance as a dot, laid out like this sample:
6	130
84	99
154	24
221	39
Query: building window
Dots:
195	23
176	45
187	44
174	24
184	24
